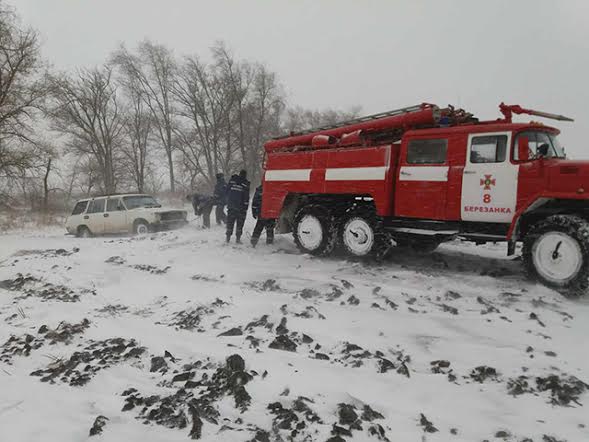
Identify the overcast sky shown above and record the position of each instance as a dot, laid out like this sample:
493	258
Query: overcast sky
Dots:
379	54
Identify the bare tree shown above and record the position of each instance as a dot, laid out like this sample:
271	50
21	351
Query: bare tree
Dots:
228	108
237	78
153	68
262	117
297	118
22	92
204	103
87	110
137	130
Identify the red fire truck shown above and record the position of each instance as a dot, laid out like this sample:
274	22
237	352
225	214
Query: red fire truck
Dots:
422	175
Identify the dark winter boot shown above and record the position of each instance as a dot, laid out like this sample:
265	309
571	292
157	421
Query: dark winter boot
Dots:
254	242
238	240
269	241
227	239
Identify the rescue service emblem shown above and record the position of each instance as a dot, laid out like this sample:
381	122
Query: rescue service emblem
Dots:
488	181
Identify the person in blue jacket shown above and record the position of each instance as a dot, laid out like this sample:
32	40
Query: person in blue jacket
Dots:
261	224
238	194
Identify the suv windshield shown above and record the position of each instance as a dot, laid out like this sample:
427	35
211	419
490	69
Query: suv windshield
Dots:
132	202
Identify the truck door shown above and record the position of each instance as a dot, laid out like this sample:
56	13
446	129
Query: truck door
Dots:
423	179
489	181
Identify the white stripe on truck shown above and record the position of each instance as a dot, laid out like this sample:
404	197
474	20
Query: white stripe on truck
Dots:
356	174
288	175
423	173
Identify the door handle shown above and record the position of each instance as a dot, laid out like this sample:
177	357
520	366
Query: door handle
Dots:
86	217
105	215
469	172
405	173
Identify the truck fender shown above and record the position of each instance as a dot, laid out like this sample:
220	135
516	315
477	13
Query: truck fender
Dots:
533	203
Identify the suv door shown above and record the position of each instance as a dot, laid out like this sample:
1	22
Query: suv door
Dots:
76	219
115	218
423	179
95	215
489	181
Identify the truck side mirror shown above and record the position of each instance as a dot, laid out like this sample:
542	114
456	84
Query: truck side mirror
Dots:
523	148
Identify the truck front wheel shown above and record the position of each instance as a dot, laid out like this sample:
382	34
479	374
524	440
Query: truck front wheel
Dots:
314	232
556	252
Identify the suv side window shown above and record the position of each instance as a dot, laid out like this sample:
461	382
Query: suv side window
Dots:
80	208
427	151
96	206
488	149
114	205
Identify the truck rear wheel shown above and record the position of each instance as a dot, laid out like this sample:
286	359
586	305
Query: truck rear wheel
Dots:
358	236
314	231
556	252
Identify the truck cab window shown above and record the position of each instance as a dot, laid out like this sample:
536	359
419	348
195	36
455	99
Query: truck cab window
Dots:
96	206
427	151
488	149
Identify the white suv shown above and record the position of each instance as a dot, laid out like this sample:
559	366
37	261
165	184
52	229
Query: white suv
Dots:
135	213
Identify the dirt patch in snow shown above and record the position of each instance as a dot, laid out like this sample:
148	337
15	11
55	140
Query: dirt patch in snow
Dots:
31	286
96	356
195	398
191	318
23	345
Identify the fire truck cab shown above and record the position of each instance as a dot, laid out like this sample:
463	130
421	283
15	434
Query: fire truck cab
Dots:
419	176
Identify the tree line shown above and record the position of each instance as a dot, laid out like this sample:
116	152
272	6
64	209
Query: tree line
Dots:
145	120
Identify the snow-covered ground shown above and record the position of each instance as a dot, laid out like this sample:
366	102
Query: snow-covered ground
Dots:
453	346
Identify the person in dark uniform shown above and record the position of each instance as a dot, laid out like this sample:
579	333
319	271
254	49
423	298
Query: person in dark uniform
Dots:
220	197
202	205
238	194
261	224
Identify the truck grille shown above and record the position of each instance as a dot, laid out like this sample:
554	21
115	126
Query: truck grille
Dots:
172	216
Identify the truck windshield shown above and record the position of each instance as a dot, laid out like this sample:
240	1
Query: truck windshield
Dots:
135	201
557	149
536	139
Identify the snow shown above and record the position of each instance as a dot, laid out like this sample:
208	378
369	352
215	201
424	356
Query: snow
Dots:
467	305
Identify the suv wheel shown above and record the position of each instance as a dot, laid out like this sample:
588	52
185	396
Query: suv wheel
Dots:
84	232
556	252
314	231
141	227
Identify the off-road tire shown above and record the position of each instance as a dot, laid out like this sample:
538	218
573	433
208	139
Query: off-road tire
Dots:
382	241
138	226
329	230
83	232
576	228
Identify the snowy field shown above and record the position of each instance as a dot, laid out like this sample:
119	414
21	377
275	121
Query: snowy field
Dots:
133	339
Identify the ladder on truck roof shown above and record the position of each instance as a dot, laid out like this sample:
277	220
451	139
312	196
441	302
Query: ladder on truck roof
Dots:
392	113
